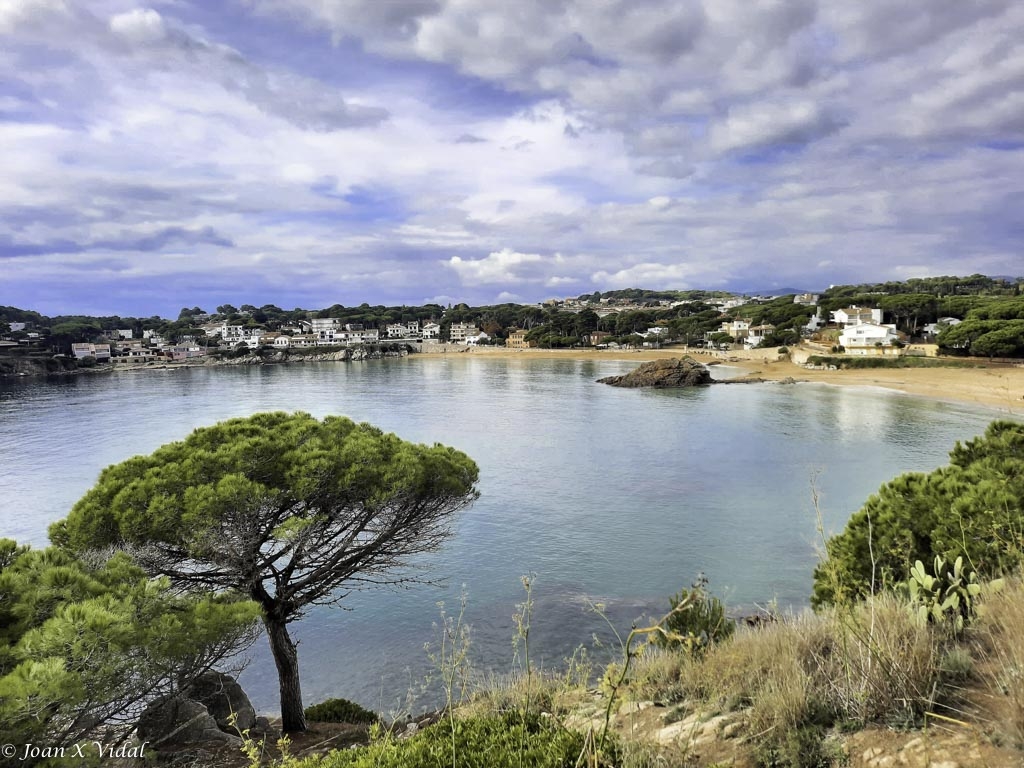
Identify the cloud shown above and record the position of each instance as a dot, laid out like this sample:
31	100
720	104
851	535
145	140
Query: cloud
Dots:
504	266
138	26
672	276
764	125
348	149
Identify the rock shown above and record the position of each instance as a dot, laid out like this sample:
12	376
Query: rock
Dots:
223	696
174	720
665	373
732	730
871	753
411	730
692	730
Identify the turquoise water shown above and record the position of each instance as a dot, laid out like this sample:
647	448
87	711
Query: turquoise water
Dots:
609	495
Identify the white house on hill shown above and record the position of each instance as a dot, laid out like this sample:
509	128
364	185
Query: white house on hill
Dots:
854	315
869	339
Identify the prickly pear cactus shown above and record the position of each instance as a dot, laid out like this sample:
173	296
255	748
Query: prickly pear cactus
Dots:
948	596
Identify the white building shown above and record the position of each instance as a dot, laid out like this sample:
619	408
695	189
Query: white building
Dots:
756	335
474	340
854	315
410	330
869	338
99	351
815	322
459	332
431	332
933	329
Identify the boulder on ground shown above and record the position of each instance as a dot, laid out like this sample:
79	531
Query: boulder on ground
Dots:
223	697
665	373
174	720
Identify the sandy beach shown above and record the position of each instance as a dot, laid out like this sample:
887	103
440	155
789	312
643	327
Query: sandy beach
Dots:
1000	387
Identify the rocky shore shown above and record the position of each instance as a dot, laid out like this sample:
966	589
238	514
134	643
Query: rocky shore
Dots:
18	367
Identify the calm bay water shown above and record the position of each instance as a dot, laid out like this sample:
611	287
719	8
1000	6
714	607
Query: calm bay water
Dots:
609	495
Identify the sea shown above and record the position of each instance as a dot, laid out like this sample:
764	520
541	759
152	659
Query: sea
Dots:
608	500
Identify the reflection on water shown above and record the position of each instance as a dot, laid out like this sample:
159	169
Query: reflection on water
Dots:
620	495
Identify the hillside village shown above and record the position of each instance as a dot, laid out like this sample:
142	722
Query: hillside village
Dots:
978	316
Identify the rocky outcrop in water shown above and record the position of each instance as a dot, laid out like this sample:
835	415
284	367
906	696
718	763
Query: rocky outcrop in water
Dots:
666	373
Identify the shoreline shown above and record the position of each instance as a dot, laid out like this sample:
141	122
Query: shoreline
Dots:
994	386
998	387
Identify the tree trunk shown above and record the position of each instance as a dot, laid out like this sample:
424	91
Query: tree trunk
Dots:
287	660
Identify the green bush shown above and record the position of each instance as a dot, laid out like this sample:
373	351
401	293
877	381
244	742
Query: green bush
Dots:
494	741
803	747
696	621
340	711
974	508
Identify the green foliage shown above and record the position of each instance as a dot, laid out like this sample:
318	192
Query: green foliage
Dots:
84	647
502	741
985	338
340	711
802	747
947	597
974	508
283	508
696	621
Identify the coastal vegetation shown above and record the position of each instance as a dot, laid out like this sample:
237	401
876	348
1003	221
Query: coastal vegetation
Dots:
283	509
992	311
919	613
87	642
972	508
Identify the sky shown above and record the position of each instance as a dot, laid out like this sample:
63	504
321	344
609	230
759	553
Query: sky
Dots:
303	153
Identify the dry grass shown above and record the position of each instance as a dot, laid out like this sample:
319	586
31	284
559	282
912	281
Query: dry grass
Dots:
874	663
998	640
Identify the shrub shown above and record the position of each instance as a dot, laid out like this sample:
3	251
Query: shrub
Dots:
947	597
503	741
696	621
340	711
973	507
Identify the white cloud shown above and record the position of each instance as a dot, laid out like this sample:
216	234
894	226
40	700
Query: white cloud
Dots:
711	142
763	124
504	266
672	276
138	25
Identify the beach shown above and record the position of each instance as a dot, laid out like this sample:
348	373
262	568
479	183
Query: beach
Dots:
996	386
